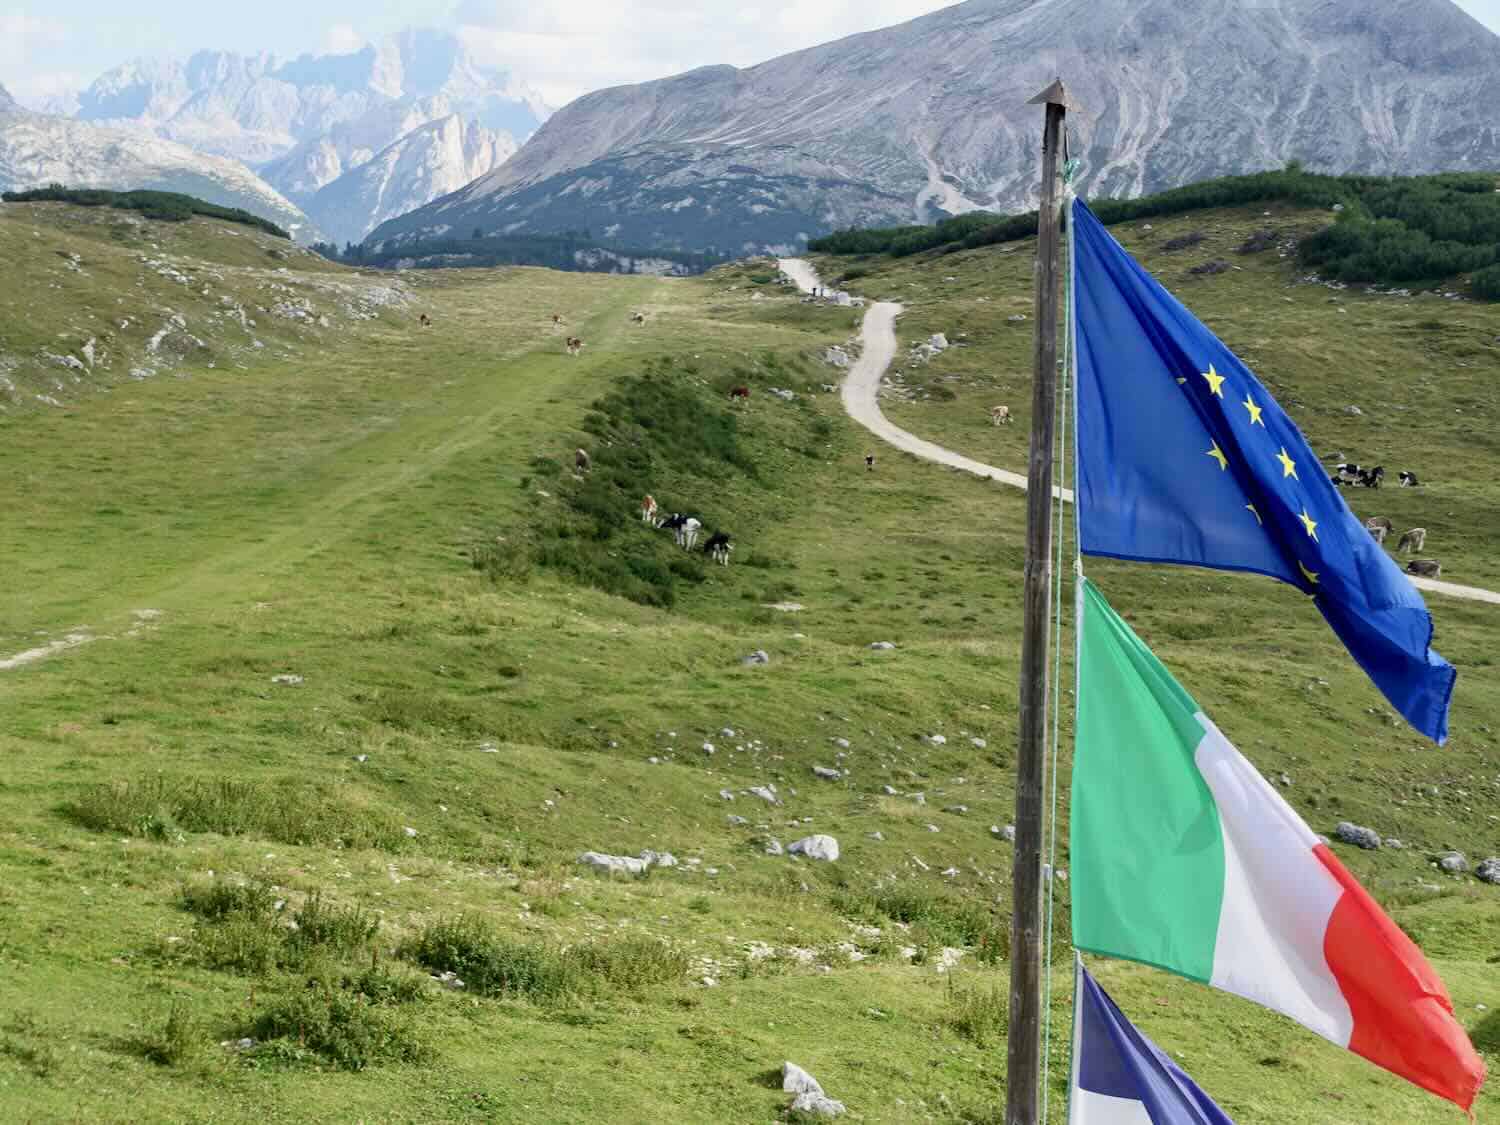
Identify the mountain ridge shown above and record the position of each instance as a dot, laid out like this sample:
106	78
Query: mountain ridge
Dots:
931	115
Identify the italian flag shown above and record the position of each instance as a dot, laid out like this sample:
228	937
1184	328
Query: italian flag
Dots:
1185	858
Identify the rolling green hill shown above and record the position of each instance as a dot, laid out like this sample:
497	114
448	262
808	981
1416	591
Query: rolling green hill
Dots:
351	667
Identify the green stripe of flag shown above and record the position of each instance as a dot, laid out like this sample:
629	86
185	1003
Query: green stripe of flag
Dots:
1148	888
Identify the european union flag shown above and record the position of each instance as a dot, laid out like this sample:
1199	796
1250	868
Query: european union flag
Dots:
1183	457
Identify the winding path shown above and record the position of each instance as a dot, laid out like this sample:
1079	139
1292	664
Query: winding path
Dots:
861	397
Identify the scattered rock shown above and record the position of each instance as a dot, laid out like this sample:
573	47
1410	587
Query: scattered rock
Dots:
936	740
817	1104
1184	241
877	835
361	757
883	645
1260	240
1394	844
726	794
836	357
765	793
1455	863
1006	833
289	679
1217	265
795	1080
888	790
1016	318
737	820
759	656
409	830
1360	837
826	773
816	847
978	743
1489	870
841	743
938	342
708	748
957	810
773	847
630	865
1285	781
1353	411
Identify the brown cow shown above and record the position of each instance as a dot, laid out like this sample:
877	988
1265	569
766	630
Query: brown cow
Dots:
739	392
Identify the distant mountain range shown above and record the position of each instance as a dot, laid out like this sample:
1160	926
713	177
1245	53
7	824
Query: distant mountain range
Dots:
38	149
353	139
930	118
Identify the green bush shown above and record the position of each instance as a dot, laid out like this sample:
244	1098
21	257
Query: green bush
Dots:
341	930
492	965
161	808
164	206
978	1013
334	1025
1485	283
1392	230
175	1040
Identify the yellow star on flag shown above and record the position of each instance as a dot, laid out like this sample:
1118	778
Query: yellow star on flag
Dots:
1215	380
1288	466
1255	411
1310	575
1309	523
1253	512
1218	454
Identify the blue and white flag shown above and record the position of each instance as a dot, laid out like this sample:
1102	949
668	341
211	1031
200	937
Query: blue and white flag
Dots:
1183	457
1122	1078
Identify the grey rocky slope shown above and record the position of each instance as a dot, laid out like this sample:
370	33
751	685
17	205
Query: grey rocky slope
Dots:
433	159
37	149
7	103
903	124
305	123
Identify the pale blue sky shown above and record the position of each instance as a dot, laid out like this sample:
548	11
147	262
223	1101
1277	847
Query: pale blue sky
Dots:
563	47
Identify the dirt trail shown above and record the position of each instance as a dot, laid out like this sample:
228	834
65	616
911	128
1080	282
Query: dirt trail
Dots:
861	396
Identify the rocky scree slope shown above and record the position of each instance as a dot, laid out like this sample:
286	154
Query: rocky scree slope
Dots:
931	117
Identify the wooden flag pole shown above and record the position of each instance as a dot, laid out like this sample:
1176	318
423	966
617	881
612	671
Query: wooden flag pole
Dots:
1023	1067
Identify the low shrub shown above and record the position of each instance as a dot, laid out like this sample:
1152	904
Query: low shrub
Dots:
160	808
978	1013
334	1025
175	1040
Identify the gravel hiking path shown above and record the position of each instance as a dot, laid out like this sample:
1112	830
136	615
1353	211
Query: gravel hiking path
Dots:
861	397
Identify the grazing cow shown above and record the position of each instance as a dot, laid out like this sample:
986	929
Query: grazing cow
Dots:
740	393
556	319
639	318
870	462
718	547
1378	533
575	345
1427	568
581	460
648	509
687	537
1348	473
1413	540
1372	478
424	320
999	415
1381	522
1409	479
673	523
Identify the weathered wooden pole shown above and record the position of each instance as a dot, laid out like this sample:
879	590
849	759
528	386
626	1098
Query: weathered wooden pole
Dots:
1023	1066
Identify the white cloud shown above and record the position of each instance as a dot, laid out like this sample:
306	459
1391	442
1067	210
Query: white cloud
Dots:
567	49
22	34
342	39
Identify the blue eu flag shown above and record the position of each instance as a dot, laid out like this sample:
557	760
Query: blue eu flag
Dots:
1183	457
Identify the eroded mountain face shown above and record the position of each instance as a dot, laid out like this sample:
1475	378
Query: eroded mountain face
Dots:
907	123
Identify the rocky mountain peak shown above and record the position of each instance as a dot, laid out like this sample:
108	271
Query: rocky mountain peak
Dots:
909	123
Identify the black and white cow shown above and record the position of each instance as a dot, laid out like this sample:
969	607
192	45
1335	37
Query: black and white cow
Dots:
718	547
1409	479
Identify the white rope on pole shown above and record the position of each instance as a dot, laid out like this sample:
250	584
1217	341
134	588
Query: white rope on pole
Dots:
1057	626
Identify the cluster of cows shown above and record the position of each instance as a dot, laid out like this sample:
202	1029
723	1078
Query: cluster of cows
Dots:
1348	473
574	344
685	531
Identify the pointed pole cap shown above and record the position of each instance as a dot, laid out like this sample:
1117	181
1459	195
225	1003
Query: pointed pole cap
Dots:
1055	94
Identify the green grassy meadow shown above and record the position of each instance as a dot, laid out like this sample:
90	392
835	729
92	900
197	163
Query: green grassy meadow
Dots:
195	855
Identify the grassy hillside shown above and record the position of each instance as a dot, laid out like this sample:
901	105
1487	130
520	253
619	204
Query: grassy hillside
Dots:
97	298
393	518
